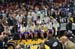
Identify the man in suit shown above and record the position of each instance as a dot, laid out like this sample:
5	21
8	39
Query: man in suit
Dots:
67	43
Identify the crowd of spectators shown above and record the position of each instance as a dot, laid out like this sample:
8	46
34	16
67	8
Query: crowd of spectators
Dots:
34	18
34	15
31	17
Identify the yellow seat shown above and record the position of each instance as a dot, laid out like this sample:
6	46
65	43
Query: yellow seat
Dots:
18	42
29	41
23	41
34	42
47	47
33	47
38	41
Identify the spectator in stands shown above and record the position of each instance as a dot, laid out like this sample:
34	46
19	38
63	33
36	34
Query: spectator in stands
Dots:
3	39
1	42
55	25
1	27
69	25
67	43
37	12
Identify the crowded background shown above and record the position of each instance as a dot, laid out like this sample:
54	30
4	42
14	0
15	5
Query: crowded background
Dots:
33	19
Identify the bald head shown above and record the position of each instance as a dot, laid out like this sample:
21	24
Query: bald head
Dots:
63	39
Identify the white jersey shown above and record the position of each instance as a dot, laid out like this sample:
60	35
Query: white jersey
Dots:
55	23
49	25
19	18
32	27
38	13
21	28
29	15
46	19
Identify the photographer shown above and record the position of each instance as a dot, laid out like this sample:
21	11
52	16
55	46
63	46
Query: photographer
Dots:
52	42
